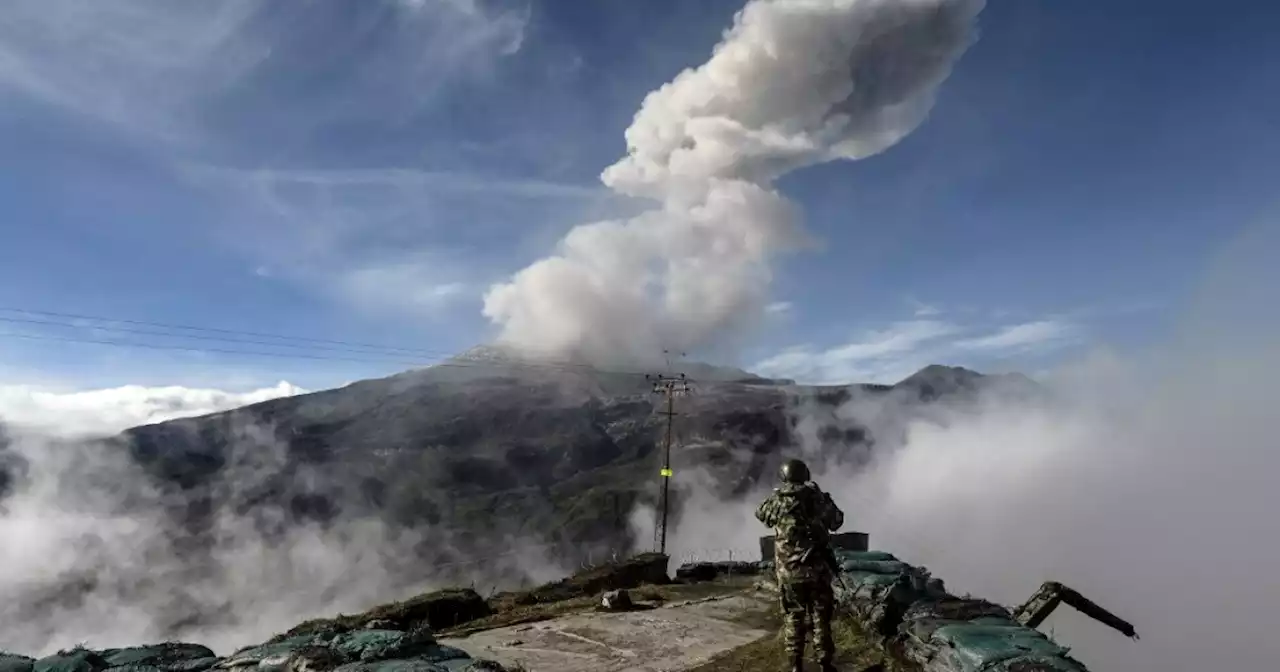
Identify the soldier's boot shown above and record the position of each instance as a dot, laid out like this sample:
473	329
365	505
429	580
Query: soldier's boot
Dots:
797	661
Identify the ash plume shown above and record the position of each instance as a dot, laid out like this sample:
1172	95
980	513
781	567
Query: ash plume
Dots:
793	83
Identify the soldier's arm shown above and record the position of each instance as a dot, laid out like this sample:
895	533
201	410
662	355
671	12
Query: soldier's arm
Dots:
833	517
765	512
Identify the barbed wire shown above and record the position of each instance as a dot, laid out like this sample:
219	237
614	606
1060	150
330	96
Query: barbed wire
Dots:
693	556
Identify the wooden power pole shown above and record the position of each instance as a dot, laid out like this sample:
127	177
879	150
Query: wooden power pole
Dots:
669	387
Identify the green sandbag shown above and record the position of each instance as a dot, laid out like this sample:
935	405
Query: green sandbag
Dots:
856	579
998	621
875	566
193	665
440	653
135	668
978	646
1055	663
12	662
163	656
864	556
371	645
76	660
273	654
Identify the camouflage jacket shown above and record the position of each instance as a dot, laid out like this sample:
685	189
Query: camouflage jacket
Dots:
803	518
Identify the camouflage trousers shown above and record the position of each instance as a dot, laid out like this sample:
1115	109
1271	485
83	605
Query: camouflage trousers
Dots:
805	604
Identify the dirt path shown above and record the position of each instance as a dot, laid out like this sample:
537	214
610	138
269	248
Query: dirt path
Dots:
664	639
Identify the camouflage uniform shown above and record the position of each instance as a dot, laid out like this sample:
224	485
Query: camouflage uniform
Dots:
802	517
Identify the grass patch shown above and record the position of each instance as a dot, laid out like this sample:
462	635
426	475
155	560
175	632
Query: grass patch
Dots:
854	650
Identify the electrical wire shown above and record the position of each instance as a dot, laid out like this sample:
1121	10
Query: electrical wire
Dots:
376	358
146	328
167	325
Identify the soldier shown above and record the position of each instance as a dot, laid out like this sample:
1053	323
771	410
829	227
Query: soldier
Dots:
802	518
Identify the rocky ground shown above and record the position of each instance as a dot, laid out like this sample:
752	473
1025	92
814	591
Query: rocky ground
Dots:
629	617
647	638
656	625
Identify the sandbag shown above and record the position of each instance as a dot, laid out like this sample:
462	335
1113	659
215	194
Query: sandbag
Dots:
158	656
271	655
875	566
75	660
856	579
976	647
1042	663
12	662
373	645
905	607
864	556
193	665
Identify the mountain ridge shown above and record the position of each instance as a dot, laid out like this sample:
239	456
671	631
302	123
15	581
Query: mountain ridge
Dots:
534	469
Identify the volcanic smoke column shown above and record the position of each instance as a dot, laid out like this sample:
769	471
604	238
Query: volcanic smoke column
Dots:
793	83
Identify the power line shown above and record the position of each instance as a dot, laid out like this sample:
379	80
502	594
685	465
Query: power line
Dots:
201	337
533	358
166	325
476	362
159	346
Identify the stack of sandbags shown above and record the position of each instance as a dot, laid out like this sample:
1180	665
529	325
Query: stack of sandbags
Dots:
878	588
913	614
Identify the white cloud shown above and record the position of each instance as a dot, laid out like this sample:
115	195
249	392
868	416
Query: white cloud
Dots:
1028	335
139	64
188	81
414	284
107	411
385	238
272	180
778	307
922	309
152	67
890	354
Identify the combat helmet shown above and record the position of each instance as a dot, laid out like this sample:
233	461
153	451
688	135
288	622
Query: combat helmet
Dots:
794	471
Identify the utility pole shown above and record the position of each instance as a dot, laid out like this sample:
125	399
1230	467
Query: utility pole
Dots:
668	386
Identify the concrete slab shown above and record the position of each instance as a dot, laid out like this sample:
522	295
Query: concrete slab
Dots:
665	639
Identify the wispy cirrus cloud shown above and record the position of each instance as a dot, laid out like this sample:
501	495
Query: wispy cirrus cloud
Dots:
1013	338
893	352
180	71
252	83
408	178
389	239
427	288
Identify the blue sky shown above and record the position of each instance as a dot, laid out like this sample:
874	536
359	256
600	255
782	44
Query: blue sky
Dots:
364	171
